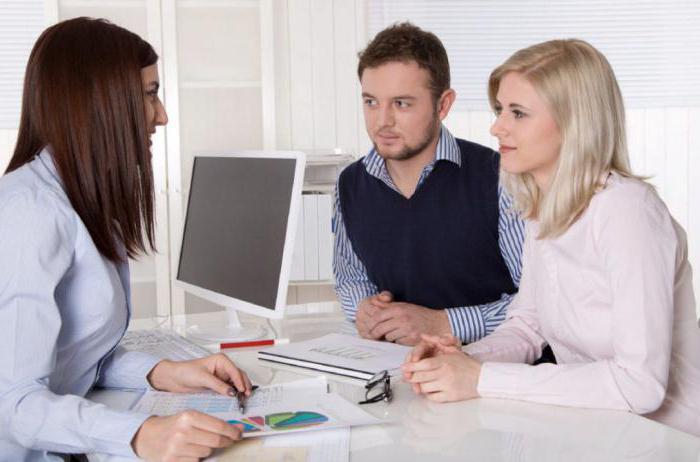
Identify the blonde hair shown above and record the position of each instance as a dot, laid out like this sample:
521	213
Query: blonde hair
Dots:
579	88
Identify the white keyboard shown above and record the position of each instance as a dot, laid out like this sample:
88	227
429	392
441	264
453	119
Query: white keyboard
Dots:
164	344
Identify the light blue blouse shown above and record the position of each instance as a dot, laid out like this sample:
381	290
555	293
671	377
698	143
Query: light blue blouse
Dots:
63	309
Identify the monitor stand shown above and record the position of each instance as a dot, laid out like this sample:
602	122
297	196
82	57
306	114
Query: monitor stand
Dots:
233	330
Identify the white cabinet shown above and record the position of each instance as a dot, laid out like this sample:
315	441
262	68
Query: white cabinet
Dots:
313	252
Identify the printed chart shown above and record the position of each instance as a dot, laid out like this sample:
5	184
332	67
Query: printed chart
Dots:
164	403
346	352
298	406
280	421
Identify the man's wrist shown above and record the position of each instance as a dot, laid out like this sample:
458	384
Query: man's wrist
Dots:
467	323
444	323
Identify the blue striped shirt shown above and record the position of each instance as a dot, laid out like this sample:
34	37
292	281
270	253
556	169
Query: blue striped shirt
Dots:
469	323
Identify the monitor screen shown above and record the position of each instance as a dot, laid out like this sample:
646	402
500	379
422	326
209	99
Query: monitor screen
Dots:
236	227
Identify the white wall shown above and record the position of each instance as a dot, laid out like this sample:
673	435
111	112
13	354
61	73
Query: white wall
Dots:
317	96
317	92
7	146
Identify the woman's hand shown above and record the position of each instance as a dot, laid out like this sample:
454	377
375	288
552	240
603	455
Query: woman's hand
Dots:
434	345
445	377
430	346
187	436
216	372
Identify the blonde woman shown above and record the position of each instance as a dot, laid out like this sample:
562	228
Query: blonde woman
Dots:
606	280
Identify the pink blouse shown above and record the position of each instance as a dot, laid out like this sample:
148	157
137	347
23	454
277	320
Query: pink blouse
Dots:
613	297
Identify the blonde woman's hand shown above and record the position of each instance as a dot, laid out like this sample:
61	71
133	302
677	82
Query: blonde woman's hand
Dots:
446	377
430	346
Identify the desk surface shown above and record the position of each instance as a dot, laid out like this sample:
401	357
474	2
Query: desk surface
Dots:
480	429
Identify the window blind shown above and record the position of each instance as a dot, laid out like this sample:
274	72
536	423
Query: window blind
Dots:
21	22
653	46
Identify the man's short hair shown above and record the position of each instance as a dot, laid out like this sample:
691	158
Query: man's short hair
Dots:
405	42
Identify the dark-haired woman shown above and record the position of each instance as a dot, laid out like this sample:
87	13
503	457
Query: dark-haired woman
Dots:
75	204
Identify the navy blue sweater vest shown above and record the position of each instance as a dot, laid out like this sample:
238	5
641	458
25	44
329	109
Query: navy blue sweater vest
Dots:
439	248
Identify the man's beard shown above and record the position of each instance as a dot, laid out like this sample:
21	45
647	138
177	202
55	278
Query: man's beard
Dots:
411	151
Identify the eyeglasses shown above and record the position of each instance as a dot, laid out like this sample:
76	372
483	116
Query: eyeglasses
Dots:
378	388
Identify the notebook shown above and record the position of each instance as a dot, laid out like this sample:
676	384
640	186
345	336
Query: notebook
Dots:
340	354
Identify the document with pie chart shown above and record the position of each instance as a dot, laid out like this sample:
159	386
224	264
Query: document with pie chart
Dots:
302	405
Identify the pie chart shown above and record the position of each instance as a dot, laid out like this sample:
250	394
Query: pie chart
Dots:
280	421
250	424
292	420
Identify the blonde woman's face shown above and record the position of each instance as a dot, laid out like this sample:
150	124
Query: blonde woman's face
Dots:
528	137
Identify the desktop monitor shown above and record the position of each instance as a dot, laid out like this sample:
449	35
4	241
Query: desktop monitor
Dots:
238	235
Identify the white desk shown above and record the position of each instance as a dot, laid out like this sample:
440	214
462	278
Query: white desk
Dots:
480	430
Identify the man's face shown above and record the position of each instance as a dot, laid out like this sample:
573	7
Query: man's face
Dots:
400	115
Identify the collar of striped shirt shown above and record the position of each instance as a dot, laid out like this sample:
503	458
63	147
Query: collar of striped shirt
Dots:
446	149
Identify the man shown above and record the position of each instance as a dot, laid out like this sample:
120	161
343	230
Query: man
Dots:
425	239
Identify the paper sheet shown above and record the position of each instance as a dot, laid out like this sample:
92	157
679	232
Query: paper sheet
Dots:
164	403
254	450
321	446
298	406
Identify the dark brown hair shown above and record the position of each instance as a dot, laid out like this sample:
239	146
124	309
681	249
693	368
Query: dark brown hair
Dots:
405	42
83	97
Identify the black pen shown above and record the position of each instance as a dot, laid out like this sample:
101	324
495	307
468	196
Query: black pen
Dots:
243	399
